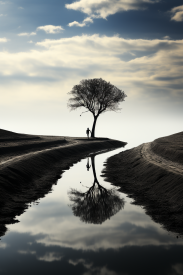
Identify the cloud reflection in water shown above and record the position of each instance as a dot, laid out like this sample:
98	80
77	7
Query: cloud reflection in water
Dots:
24	250
51	239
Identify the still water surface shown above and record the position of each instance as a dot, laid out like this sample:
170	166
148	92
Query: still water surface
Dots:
50	239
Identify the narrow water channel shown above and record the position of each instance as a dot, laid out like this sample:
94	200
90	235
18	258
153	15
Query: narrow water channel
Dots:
70	232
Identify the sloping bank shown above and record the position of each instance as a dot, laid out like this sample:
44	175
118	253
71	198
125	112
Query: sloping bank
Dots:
152	174
25	178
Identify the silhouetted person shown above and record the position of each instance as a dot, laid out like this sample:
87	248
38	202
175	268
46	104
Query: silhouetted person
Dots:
88	132
88	165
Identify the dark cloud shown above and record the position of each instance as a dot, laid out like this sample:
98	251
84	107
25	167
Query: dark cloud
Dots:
168	78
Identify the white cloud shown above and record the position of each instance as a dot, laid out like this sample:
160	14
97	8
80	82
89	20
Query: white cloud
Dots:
50	257
138	66
3	40
166	37
155	63
20	8
85	22
104	8
3	245
80	261
26	34
51	28
177	14
26	252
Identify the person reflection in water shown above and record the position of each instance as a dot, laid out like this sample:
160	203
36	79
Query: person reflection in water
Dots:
97	204
88	132
88	165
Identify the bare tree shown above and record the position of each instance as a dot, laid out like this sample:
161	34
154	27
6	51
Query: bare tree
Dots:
97	96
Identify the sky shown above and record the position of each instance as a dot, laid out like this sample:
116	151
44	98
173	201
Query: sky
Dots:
48	46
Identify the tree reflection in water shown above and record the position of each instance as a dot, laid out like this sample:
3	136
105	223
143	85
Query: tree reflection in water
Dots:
97	204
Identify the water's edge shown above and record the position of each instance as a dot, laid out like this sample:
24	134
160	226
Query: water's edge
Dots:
30	178
157	188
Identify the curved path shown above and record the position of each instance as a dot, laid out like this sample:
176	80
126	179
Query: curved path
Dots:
24	156
71	143
168	165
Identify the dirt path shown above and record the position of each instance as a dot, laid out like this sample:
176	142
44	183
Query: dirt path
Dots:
71	142
27	155
155	159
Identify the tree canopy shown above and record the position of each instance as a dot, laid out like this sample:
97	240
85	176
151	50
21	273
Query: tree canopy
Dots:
97	96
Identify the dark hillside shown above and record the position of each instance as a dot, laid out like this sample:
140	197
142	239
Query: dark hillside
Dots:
170	147
158	189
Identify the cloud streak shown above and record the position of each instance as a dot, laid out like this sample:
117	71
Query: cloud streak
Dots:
177	14
50	29
3	40
26	33
50	257
104	8
85	22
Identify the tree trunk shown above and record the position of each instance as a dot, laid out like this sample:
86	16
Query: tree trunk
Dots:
94	172
93	128
93	168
